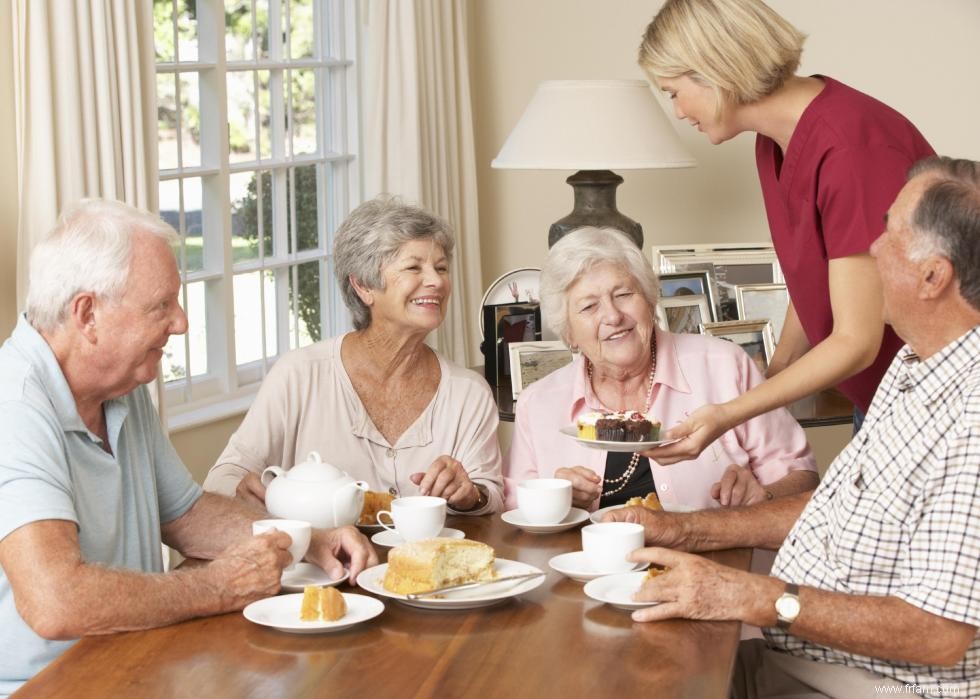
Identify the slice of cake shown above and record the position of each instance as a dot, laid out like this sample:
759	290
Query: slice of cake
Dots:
373	504
651	502
429	564
586	425
322	604
654	571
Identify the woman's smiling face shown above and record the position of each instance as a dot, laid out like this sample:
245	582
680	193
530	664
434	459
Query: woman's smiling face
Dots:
696	103
609	319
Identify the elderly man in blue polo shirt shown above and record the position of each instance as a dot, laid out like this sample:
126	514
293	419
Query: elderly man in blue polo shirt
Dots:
876	587
89	483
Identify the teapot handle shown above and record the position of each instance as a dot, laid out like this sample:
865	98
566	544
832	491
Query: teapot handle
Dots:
314	456
360	485
270	473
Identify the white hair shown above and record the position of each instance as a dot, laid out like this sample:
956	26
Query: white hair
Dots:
88	250
580	251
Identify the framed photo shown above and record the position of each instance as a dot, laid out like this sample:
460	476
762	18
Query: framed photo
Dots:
530	361
729	265
754	336
762	302
685	314
692	283
504	323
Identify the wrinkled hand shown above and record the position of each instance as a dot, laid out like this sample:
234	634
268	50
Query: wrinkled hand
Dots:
738	486
693	588
700	429
659	528
446	478
586	485
251	490
330	548
249	569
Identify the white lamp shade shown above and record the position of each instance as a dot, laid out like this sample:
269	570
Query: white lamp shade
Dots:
593	125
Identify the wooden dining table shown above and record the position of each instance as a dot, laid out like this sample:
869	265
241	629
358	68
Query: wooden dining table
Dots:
553	641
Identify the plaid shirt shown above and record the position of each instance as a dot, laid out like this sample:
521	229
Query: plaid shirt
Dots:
899	512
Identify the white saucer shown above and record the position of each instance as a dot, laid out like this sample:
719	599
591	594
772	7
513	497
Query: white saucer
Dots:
576	566
574	517
572	431
304	574
282	613
618	590
390	538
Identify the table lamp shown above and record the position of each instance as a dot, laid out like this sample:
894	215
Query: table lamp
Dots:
594	127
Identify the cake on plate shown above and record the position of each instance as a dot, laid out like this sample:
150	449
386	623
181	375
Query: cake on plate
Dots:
631	426
322	604
650	501
429	564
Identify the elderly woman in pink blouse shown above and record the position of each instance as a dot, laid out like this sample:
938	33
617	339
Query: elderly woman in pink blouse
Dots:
599	294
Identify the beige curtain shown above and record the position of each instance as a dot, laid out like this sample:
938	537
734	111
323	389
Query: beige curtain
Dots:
418	137
84	92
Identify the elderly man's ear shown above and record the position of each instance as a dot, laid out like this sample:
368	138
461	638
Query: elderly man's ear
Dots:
83	319
937	276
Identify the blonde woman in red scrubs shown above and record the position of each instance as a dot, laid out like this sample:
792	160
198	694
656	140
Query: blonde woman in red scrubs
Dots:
830	161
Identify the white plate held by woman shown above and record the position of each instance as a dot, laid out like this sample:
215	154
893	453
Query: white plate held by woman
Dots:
282	613
596	516
575	565
572	431
618	590
390	538
304	573
574	517
483	596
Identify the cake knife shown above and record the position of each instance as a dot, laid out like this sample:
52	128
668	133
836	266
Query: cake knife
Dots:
477	583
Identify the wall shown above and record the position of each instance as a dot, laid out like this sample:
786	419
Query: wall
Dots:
920	57
8	179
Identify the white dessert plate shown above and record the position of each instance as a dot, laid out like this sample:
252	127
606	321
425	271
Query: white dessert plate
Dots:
483	596
282	613
308	574
575	565
387	537
618	590
572	431
596	516
574	517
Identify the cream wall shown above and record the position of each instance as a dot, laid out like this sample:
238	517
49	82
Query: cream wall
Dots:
918	56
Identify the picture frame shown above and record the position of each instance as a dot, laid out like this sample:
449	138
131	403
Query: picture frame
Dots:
685	314
729	265
530	361
690	283
763	301
504	323
753	336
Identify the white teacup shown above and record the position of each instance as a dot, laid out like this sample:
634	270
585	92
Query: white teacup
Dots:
607	544
544	500
416	516
298	530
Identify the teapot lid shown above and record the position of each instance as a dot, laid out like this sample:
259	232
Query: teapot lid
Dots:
314	470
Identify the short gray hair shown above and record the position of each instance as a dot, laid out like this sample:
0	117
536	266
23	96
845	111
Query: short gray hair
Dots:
370	238
947	219
580	251
89	250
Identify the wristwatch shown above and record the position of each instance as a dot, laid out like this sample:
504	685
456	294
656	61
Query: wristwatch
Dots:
788	606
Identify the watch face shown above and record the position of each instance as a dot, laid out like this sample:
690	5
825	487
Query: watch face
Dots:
788	606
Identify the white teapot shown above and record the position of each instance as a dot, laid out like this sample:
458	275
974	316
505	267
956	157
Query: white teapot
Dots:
313	491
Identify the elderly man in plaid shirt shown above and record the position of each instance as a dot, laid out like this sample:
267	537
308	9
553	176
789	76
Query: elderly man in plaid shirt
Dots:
875	587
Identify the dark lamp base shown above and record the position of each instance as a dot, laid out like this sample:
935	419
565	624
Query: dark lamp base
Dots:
595	205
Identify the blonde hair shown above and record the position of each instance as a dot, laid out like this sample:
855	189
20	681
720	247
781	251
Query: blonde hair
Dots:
740	48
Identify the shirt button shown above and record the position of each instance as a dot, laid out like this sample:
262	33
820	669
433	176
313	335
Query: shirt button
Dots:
390	453
664	487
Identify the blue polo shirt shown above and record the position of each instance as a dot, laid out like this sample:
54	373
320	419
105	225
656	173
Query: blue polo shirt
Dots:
53	467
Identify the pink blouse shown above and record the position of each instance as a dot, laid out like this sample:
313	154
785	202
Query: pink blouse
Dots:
692	370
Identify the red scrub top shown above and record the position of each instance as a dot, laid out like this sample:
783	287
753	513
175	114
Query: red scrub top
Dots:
827	198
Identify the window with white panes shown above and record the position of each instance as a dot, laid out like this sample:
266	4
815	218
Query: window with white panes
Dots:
257	116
